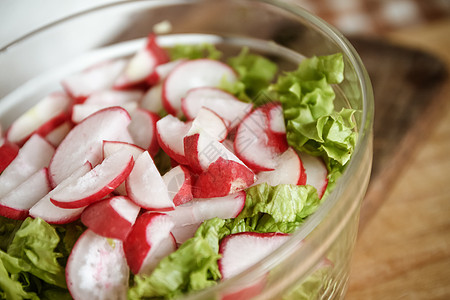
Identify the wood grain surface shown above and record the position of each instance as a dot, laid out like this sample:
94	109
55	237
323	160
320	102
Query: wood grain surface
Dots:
403	250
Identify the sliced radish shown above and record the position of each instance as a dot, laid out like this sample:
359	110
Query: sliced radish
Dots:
114	98
8	151
223	177
162	71
255	144
148	242
47	114
152	99
82	111
112	217
191	74
111	147
146	187
56	136
228	107
97	268
34	155
97	183
142	65
242	250
16	203
229	144
84	142
201	150
170	133
96	78
316	172
289	170
143	130
53	214
183	233
199	210
210	122
179	185
276	119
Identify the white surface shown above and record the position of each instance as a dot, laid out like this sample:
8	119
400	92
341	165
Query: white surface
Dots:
19	17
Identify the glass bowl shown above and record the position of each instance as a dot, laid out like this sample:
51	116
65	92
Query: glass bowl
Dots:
319	267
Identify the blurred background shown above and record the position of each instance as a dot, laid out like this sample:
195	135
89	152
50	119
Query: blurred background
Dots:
403	249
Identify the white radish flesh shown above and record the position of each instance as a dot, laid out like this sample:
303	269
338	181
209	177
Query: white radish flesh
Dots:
97	269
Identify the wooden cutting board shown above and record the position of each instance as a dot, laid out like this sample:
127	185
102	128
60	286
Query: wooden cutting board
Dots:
406	83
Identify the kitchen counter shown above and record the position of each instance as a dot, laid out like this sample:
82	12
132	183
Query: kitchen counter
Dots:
403	249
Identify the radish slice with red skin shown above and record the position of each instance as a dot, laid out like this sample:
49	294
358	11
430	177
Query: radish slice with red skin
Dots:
47	114
276	119
8	151
245	291
111	147
162	71
192	74
97	183
96	78
82	111
152	99
201	150
143	130
223	177
53	214
199	210
289	170
114	97
228	107
170	133
97	268
149	241
58	134
16	203
84	142
142	65
183	233
179	184
111	217
211	123
33	156
145	186
255	144
316	172
242	250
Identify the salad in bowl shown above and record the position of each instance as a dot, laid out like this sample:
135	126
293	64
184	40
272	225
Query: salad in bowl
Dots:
172	171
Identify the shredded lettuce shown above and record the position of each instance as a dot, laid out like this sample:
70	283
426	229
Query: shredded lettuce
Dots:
255	73
312	123
196	51
311	287
192	267
280	208
32	263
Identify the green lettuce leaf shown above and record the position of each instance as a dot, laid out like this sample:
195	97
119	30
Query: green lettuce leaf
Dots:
34	245
196	51
192	267
8	228
311	287
255	73
312	124
13	283
280	208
